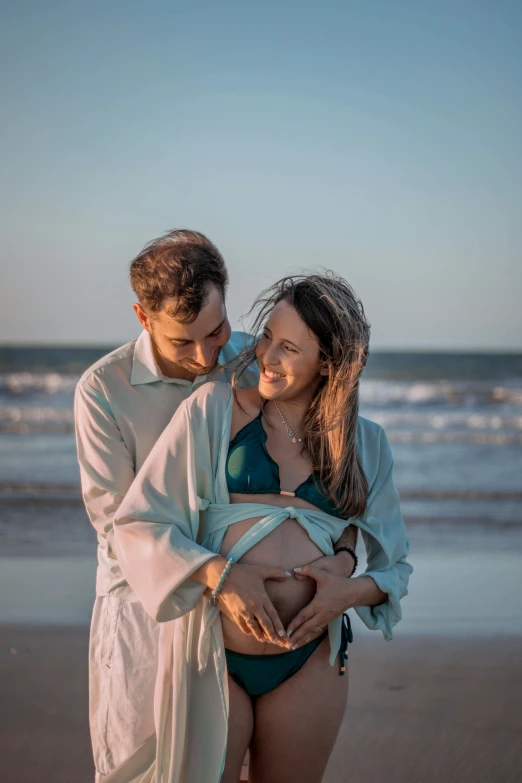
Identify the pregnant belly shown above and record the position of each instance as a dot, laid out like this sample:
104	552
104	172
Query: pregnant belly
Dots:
287	546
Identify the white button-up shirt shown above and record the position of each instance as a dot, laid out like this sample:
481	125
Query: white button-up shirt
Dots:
122	405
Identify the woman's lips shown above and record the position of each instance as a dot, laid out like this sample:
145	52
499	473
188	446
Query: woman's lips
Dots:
271	379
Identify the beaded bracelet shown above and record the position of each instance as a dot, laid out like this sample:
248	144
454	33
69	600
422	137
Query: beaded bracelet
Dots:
352	553
214	600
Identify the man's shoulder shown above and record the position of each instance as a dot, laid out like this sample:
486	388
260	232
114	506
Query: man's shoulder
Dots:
118	360
238	342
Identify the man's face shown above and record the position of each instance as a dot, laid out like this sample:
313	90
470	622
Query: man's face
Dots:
186	350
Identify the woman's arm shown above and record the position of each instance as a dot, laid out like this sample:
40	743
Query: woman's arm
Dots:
387	546
376	595
363	591
345	559
156	526
342	563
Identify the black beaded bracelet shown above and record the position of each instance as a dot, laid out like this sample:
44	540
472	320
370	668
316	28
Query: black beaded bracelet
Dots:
352	553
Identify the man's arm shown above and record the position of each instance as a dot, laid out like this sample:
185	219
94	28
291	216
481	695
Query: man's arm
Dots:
106	467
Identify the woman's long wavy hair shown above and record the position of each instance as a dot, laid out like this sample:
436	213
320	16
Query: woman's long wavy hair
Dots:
331	310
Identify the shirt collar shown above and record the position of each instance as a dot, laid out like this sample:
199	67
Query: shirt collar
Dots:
145	369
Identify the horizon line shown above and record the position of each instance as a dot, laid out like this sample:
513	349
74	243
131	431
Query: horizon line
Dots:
377	349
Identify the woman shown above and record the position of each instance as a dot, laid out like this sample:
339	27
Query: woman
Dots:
243	486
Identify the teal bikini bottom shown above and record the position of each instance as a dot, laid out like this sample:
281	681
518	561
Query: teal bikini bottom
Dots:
259	674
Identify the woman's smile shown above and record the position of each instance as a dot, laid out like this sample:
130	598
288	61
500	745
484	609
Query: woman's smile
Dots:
271	376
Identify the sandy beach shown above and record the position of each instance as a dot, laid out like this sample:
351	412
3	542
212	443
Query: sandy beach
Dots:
421	709
441	702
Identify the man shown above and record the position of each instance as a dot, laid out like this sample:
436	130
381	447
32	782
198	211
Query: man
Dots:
122	404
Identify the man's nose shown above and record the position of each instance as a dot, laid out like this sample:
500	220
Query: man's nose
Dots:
204	355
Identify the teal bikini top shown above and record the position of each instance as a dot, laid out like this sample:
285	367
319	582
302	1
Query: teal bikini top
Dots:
250	470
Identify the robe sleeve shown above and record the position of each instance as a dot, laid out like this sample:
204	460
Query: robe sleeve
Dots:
156	525
387	546
106	467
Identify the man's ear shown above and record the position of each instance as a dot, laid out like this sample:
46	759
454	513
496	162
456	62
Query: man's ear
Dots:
142	316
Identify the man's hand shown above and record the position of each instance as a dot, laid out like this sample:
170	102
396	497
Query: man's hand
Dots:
244	600
334	595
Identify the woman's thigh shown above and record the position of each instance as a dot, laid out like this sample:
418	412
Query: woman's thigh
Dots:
240	728
297	723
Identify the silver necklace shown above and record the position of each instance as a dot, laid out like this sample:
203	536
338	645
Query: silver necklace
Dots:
291	433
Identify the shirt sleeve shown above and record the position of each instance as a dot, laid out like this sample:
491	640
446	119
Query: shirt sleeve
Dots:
106	467
156	526
387	546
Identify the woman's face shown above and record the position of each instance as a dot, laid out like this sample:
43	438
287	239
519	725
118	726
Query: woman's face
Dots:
288	356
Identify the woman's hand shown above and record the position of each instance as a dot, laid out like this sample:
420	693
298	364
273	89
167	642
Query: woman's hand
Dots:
334	595
244	600
340	564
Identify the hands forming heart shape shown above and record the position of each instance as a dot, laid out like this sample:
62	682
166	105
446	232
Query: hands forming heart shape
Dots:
245	601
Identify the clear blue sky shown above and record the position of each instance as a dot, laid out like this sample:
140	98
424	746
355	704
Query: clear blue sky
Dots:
381	139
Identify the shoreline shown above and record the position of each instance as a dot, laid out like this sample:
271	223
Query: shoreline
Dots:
466	579
50	526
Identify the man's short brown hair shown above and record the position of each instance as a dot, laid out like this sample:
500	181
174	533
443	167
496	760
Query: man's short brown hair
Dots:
179	265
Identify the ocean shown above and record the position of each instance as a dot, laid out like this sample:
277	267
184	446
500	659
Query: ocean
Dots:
455	425
454	421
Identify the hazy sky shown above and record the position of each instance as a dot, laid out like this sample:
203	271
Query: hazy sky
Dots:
381	139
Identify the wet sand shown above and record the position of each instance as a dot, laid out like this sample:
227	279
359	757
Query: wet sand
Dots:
44	727
432	709
421	708
441	702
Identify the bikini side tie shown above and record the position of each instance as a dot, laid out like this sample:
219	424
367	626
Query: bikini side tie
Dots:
346	638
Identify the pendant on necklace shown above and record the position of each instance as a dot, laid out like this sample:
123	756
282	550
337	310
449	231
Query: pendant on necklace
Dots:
291	433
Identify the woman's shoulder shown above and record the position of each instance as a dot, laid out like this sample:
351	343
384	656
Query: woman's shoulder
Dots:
248	399
247	404
368	429
372	443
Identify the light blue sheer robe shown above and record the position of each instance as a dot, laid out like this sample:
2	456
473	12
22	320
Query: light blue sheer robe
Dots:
172	520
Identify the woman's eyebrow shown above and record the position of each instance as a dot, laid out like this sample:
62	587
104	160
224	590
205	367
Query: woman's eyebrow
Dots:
291	343
284	340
